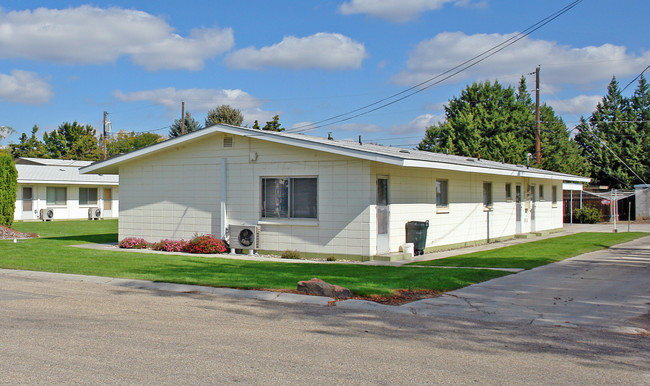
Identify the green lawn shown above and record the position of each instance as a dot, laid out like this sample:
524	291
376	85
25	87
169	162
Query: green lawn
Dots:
51	253
536	253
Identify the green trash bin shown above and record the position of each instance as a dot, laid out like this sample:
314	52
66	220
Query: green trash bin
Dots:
416	233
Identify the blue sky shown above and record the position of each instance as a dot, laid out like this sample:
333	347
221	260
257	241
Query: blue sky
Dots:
304	60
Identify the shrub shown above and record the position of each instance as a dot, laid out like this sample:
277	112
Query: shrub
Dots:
331	258
205	244
8	184
588	215
133	243
170	245
290	254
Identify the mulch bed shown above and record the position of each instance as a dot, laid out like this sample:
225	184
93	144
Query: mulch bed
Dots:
9	234
398	298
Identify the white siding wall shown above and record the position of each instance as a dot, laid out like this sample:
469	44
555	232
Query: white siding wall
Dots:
161	199
71	210
177	194
412	195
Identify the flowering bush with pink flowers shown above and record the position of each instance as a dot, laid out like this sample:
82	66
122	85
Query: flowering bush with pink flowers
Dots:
133	243
206	244
170	245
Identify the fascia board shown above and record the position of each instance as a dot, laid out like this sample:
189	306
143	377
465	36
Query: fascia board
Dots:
60	182
493	171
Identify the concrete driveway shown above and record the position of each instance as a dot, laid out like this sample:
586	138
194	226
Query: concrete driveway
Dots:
608	289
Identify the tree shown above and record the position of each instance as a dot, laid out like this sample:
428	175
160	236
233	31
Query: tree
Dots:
224	114
8	184
30	147
5	132
615	135
273	125
498	123
127	141
72	141
191	125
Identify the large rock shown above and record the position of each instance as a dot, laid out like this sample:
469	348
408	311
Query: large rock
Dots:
316	286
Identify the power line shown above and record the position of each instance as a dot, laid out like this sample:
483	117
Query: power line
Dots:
429	83
637	77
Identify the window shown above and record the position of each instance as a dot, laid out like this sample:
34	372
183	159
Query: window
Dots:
487	194
87	196
442	194
554	195
55	196
541	192
290	197
508	192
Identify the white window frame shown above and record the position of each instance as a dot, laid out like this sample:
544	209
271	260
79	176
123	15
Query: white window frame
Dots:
88	202
439	195
56	202
289	194
489	203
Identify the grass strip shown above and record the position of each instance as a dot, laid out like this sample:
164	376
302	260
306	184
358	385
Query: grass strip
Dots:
536	253
51	253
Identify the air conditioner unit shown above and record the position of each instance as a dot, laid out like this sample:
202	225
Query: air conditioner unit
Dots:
46	214
94	213
244	237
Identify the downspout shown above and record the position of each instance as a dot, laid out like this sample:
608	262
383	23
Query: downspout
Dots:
223	198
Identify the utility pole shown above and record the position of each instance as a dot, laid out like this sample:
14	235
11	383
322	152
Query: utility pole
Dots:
104	136
538	123
183	118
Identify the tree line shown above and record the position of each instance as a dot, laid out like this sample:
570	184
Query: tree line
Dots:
498	123
81	142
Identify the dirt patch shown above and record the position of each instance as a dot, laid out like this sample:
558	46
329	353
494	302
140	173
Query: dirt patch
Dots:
8	234
398	298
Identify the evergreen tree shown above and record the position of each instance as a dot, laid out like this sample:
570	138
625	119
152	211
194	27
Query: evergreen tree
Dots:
224	114
8	184
615	136
497	123
273	125
30	147
191	125
72	141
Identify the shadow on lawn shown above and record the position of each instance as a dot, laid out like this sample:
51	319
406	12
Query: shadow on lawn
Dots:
102	238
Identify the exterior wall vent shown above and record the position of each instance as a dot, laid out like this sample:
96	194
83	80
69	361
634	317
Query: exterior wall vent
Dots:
227	141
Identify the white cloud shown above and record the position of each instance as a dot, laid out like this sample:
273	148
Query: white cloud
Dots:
560	64
91	35
25	87
328	51
417	125
394	10
199	101
582	104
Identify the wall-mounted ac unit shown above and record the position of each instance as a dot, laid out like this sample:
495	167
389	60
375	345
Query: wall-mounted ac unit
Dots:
94	213
244	237
46	214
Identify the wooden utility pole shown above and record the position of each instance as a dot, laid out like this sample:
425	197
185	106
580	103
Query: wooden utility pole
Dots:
183	118
104	136
538	123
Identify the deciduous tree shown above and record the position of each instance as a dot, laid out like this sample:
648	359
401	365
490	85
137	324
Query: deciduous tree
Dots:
224	114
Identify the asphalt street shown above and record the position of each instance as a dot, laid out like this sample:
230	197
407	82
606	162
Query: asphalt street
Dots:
582	321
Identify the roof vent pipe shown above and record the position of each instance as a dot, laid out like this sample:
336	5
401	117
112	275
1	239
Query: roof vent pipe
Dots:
360	141
329	136
528	160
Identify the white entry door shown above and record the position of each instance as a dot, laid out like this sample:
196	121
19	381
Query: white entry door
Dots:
108	203
532	207
518	208
382	215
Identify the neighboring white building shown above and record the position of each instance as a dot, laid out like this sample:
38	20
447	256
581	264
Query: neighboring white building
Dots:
326	197
57	185
642	192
